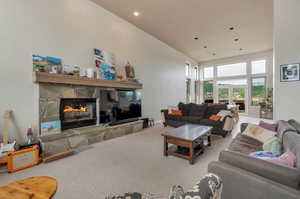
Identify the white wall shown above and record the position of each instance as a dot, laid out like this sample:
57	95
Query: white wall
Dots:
253	111
70	29
286	51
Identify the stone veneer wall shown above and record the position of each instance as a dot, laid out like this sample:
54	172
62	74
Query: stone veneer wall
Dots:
50	95
74	139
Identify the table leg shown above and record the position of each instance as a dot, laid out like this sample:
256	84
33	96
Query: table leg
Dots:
165	146
209	140
191	158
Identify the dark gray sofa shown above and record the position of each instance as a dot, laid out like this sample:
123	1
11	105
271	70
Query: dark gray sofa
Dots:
247	177
197	114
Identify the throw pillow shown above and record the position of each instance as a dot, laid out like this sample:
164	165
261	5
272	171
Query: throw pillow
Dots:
209	187
269	126
258	133
286	159
176	112
273	145
134	195
215	117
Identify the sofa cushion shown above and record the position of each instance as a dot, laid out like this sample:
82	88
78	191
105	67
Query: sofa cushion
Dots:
174	117
197	110
291	142
215	109
245	144
258	133
191	119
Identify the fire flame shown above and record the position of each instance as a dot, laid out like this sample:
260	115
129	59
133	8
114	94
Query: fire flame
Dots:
71	109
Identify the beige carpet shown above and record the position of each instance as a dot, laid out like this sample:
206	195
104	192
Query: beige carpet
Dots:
126	164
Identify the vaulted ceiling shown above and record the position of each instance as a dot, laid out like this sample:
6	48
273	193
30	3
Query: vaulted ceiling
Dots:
178	22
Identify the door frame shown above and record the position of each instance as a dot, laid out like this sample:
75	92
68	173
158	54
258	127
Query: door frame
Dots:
230	88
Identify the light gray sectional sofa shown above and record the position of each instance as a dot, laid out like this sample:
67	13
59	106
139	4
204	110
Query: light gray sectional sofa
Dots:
245	177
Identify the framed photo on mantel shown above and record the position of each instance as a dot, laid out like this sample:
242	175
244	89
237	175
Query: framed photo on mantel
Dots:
289	72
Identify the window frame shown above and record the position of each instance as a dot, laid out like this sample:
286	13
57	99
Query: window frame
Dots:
229	76
258	74
213	74
251	87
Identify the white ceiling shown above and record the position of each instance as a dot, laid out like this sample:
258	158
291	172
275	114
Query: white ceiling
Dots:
177	22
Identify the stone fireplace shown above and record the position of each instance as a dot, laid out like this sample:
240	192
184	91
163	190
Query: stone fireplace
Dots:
77	112
75	106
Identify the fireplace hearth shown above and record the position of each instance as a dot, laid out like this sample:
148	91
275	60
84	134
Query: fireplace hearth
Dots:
77	112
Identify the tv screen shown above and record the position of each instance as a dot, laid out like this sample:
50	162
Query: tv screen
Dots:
119	106
129	105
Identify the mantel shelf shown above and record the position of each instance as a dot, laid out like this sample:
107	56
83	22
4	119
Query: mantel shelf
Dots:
43	77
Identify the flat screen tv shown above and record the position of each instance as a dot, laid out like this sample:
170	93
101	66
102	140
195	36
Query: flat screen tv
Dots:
119	106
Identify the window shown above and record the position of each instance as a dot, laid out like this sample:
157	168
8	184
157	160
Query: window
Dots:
236	82
258	67
196	73
208	90
209	72
188	82
188	70
258	90
232	70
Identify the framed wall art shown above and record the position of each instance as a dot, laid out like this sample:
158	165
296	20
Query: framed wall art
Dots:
289	72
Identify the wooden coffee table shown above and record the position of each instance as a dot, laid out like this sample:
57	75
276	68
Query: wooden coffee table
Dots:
187	142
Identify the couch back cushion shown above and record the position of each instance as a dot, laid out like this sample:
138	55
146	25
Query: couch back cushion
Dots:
283	127
291	143
198	110
215	109
185	108
295	124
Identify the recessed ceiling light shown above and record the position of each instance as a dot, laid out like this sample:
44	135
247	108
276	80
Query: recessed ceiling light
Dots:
136	13
236	40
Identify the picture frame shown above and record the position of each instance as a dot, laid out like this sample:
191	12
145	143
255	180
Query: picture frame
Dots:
50	128
289	72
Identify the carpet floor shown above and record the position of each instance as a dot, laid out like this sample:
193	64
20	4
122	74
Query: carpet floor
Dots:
126	164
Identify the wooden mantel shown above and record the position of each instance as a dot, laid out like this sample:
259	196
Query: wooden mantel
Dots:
43	77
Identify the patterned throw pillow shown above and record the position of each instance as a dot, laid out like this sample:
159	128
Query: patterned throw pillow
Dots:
134	195
258	133
209	187
273	145
287	159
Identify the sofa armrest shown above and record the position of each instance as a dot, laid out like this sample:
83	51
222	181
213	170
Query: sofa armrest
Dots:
242	184
165	112
281	174
243	127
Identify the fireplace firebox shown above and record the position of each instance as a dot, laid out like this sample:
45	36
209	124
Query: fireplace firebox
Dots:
77	112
